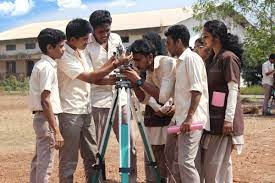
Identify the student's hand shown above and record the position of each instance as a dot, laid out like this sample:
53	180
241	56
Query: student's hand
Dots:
227	128
131	75
171	112
160	114
111	60
123	59
186	125
59	141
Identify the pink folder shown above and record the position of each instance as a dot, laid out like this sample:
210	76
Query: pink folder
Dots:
218	99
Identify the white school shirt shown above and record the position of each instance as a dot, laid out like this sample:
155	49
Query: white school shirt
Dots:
191	76
267	67
74	93
44	77
102	95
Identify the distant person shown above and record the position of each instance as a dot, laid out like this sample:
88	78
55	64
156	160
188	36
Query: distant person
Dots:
268	72
45	104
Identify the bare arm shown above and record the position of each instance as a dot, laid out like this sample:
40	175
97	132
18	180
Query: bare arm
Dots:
106	81
151	90
195	99
270	72
139	93
95	76
49	115
92	77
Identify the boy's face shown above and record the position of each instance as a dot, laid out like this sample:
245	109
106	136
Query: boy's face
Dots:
171	46
102	33
81	43
142	62
57	51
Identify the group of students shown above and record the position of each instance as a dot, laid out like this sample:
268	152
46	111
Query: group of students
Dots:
71	90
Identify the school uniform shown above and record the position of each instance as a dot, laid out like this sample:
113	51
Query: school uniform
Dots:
102	95
43	78
217	147
190	76
76	124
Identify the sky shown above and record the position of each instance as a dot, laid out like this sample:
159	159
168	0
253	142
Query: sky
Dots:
14	13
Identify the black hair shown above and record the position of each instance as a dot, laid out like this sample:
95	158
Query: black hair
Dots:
179	32
51	37
78	28
228	41
100	17
143	47
155	39
272	56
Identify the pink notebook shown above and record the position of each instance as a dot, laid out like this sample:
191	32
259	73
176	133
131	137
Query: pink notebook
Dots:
218	99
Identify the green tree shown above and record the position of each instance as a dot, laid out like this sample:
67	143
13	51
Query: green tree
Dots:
257	17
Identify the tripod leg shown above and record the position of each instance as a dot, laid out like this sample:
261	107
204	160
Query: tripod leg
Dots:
124	140
105	138
147	146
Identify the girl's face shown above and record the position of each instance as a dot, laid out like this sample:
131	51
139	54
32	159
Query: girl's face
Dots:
208	39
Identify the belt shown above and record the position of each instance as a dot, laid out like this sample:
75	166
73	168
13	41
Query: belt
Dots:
35	112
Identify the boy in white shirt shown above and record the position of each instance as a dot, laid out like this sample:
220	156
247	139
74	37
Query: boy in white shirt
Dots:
45	104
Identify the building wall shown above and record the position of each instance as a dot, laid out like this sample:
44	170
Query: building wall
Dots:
20	47
3	67
21	66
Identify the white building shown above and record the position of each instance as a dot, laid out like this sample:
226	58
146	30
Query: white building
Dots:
19	48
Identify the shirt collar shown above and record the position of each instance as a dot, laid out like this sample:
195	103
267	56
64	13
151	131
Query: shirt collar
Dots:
70	50
157	61
49	59
93	40
185	52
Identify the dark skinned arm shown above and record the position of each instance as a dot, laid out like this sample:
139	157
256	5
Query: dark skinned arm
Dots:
49	115
195	99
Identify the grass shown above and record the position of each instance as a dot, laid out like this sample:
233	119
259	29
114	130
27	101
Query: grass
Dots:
252	90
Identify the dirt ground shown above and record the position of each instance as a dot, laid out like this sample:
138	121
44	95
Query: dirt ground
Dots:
255	164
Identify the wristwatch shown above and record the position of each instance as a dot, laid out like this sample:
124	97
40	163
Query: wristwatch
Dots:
139	82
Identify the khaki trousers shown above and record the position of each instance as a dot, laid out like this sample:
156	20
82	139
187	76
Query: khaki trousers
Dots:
78	131
42	162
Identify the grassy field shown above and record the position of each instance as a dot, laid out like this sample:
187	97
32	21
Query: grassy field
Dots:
256	164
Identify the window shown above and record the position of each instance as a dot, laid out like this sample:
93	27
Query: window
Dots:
29	46
11	67
10	47
125	39
30	65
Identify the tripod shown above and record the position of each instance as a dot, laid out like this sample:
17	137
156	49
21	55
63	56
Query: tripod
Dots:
124	135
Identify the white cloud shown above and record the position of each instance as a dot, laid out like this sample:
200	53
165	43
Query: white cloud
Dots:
63	4
16	8
122	3
6	8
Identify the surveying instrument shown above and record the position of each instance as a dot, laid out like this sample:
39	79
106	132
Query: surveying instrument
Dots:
124	130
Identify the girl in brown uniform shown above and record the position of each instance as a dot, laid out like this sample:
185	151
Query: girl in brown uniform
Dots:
226	119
